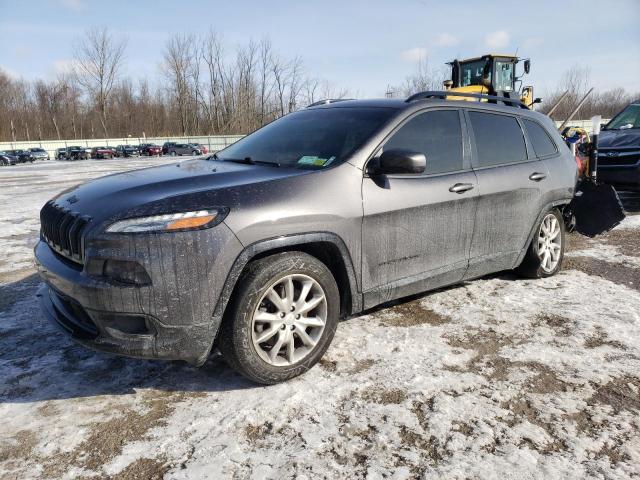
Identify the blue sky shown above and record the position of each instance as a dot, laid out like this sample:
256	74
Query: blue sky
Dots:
358	45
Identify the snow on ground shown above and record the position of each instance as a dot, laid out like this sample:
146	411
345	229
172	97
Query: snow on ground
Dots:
496	378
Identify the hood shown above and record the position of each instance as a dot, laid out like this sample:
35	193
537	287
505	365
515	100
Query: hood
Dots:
627	138
193	184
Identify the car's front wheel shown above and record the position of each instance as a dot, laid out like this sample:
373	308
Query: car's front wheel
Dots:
546	251
282	318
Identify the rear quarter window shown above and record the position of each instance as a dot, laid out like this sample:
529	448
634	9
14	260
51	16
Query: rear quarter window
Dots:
499	139
539	138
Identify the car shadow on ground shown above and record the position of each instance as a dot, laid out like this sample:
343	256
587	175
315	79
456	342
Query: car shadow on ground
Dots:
38	362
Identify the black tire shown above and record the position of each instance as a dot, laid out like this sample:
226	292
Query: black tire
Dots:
532	264
235	337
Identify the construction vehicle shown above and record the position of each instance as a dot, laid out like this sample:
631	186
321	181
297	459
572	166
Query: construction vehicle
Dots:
491	74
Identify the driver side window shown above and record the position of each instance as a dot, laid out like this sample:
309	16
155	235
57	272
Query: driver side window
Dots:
436	134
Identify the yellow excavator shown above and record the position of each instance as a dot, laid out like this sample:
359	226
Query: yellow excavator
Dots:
491	74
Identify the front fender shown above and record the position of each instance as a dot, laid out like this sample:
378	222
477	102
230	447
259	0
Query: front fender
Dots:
288	242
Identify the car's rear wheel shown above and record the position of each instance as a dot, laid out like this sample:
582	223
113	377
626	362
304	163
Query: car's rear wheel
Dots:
282	318
546	251
173	153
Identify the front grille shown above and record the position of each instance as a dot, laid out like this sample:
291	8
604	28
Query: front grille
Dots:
618	157
62	229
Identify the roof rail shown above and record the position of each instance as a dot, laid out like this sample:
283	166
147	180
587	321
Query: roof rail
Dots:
327	101
514	102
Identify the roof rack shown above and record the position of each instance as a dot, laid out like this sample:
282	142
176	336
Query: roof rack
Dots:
327	101
514	102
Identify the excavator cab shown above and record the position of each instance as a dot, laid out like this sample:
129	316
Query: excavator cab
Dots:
490	74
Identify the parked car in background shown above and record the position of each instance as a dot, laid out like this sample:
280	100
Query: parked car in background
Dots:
619	149
392	198
166	146
76	152
101	152
23	156
183	149
150	149
60	153
201	147
127	151
7	159
39	153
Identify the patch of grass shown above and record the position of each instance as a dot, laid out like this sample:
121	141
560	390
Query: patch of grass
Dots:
411	314
384	396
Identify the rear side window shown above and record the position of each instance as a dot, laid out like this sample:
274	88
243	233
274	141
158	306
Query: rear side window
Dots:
540	140
499	139
436	134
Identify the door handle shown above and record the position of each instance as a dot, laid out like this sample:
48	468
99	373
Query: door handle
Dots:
461	187
537	176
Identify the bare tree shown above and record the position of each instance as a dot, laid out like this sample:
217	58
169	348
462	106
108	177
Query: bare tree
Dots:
203	90
98	62
423	78
179	60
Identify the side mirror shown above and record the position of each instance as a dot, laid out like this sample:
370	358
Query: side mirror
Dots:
603	126
527	66
400	161
537	100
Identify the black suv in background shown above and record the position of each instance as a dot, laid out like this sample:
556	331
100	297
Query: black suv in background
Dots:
619	150
166	146
127	151
23	156
326	212
76	152
60	153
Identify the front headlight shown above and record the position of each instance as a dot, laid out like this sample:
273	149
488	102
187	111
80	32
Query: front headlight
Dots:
171	222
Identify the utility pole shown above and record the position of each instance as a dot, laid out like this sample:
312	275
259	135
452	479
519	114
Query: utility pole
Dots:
13	131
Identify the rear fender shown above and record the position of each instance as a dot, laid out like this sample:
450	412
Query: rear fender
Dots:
559	204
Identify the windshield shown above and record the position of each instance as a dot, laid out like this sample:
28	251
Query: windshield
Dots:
504	76
627	118
310	138
471	73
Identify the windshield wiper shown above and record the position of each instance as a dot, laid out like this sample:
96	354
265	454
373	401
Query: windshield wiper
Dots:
250	161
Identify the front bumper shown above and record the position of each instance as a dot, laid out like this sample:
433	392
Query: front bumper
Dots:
624	177
175	311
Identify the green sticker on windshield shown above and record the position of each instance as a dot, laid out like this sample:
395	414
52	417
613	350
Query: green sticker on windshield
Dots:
315	160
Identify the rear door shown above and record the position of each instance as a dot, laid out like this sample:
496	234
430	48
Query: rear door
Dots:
511	182
417	229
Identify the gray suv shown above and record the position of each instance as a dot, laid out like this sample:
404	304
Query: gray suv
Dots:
259	250
184	149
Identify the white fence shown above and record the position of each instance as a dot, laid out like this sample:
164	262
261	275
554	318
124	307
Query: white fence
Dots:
213	143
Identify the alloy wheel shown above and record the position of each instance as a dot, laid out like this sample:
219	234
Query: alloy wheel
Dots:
549	243
289	320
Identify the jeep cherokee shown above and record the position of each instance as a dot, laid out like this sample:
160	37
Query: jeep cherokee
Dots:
259	249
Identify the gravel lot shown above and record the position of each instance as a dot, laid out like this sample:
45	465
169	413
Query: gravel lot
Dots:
496	378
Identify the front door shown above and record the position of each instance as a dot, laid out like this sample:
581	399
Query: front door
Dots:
417	229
